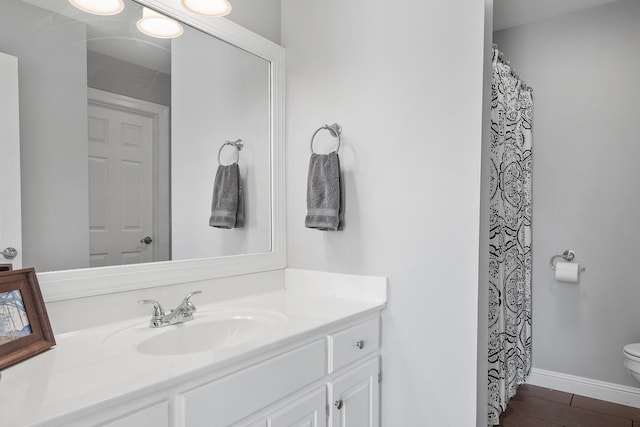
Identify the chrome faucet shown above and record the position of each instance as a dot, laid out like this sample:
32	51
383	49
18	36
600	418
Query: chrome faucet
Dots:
182	313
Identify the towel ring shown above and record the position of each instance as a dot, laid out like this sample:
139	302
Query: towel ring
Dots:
237	144
335	130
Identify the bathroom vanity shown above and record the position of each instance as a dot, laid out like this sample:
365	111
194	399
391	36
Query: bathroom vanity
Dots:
278	358
268	346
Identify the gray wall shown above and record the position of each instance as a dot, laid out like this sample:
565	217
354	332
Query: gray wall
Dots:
53	134
584	69
124	78
410	103
260	16
223	95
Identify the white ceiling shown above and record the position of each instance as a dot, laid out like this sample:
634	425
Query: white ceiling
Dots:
510	13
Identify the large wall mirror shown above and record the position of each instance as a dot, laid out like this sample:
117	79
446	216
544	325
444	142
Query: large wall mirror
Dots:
120	135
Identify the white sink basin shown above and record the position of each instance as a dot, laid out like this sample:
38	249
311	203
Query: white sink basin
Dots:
209	331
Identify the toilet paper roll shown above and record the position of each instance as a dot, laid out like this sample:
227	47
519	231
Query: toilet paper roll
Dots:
567	272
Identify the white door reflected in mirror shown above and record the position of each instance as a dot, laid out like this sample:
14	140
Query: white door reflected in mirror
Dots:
122	148
10	205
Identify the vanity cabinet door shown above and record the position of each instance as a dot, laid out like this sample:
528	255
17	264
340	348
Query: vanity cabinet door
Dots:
307	411
355	397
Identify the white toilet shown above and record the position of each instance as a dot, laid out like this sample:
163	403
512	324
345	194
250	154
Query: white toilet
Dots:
632	360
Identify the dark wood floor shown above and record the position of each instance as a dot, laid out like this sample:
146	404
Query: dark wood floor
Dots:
539	407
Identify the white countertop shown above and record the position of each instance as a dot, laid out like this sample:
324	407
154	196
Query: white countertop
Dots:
80	372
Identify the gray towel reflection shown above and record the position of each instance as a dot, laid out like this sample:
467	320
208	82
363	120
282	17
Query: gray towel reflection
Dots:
227	206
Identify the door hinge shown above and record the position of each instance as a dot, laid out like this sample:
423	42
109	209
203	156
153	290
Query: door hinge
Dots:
327	409
379	377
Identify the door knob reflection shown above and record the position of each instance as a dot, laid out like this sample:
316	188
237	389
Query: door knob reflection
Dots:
9	253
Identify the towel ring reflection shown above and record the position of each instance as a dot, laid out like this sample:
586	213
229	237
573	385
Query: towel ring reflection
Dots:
237	144
335	130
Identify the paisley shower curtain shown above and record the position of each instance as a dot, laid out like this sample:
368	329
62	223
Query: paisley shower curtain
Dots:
509	236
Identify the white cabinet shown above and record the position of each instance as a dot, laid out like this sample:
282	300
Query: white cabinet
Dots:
355	396
349	392
329	379
336	375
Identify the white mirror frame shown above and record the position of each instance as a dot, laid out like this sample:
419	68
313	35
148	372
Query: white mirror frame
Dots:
70	284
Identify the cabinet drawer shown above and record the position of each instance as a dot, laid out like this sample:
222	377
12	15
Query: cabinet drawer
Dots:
350	344
153	416
229	399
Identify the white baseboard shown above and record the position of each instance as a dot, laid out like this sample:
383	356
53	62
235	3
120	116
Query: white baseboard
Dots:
587	387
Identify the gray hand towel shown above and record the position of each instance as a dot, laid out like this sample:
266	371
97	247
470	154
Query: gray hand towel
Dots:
240	213
324	199
226	190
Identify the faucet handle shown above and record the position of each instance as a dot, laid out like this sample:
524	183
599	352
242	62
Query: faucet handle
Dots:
158	311
186	299
188	304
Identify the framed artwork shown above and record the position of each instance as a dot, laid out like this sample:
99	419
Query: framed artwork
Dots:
24	325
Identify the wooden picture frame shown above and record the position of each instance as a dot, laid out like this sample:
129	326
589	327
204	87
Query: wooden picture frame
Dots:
24	325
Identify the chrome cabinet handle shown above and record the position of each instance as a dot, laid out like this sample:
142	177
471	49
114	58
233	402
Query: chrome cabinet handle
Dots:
147	240
339	404
360	344
9	253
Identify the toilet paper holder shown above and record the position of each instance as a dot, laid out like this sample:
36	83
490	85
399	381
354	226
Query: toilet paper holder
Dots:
568	256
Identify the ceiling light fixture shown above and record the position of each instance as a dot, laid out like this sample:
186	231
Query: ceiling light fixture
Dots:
208	7
157	25
99	7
